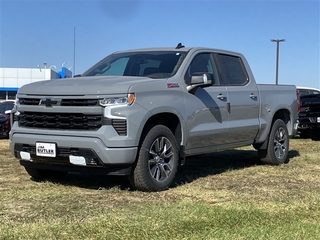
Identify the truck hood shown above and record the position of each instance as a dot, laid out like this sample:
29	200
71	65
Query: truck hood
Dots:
84	85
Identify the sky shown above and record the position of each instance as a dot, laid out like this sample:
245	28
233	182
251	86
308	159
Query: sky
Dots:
79	33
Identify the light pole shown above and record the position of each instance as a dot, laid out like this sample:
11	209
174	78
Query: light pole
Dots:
277	57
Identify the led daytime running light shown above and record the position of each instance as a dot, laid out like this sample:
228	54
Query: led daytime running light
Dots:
128	100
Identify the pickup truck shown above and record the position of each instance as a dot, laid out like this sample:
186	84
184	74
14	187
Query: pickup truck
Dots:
309	116
141	112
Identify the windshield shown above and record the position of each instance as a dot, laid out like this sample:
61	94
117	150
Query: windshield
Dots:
159	64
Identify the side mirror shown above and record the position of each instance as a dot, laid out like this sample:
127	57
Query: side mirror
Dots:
7	112
200	80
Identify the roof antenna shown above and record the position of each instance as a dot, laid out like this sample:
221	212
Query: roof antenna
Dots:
179	46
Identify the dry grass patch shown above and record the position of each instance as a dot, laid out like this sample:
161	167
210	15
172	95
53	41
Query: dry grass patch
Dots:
223	195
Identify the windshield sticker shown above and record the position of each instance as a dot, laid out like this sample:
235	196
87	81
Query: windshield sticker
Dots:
172	85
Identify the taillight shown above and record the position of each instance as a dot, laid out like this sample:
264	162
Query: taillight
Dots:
298	100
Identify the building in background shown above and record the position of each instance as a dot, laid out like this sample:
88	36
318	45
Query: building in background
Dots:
11	79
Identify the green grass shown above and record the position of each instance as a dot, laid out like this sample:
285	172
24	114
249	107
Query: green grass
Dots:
223	195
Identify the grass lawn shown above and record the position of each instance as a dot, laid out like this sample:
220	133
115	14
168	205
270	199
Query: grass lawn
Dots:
223	195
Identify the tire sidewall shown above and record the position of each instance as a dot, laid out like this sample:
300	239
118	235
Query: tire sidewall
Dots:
142	178
278	124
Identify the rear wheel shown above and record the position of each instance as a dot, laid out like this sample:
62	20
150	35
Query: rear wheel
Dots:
278	145
40	174
157	161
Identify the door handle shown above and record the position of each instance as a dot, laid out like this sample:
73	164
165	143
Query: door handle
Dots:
253	96
221	97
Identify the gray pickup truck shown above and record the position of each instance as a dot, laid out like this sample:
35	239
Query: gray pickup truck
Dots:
141	112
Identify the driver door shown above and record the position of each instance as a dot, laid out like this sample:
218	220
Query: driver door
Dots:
207	108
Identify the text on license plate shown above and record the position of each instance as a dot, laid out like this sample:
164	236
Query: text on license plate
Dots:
46	149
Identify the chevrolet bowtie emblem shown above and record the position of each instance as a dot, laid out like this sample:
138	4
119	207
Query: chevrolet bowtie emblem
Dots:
49	102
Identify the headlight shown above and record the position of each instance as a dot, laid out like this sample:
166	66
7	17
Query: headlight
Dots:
127	100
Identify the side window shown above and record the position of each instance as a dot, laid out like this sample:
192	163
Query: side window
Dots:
303	92
201	63
232	70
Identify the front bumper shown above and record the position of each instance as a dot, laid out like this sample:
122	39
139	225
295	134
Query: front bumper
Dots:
71	151
309	121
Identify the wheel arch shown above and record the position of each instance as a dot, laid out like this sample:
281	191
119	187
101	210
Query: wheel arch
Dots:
285	116
171	121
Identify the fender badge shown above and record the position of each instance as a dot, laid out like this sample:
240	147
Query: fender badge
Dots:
172	85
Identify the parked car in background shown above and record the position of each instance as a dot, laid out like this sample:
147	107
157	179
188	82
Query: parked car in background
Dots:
309	116
5	111
307	90
3	126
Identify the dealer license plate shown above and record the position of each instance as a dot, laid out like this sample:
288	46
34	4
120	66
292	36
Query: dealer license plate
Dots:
46	149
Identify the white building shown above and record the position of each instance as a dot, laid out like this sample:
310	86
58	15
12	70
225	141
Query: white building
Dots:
11	79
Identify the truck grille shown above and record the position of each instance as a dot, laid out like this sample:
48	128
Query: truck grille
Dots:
66	121
63	102
313	119
60	120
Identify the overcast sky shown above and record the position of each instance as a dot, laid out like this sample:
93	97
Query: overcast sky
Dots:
38	31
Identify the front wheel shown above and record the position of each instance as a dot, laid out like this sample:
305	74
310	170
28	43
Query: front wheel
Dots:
315	134
305	133
157	162
278	145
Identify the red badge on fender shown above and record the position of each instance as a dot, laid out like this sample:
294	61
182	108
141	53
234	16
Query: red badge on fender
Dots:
172	85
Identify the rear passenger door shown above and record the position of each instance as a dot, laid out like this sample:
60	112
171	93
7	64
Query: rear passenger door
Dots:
242	98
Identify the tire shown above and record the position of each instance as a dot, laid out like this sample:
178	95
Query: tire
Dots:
278	145
305	133
40	174
157	160
315	134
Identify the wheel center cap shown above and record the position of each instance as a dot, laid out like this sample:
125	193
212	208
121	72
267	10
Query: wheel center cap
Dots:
158	158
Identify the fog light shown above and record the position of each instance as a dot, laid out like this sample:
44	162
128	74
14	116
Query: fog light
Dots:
25	156
77	160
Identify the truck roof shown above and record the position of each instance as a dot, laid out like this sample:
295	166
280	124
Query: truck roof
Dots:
183	49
